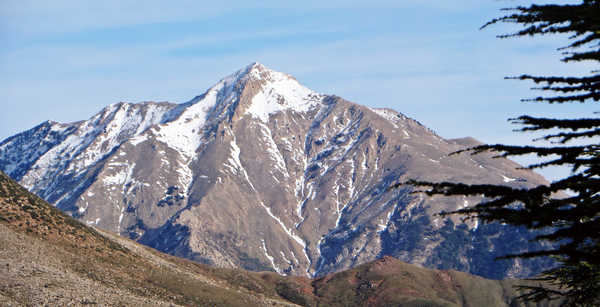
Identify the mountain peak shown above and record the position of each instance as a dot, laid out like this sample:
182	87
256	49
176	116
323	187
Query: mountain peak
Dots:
259	67
257	71
261	91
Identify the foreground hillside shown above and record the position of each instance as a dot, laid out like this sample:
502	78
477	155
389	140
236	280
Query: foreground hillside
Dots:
48	258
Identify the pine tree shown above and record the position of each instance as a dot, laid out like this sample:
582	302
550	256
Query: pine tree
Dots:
565	212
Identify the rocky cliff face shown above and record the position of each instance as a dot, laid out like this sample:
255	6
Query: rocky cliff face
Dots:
262	173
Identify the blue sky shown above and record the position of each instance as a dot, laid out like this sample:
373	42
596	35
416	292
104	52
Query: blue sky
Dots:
65	60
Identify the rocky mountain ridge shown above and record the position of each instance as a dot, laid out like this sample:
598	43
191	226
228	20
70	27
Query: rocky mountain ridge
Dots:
260	172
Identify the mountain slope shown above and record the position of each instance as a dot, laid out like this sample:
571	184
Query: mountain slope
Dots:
47	258
260	172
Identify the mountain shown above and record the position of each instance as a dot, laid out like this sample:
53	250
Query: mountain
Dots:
50	259
262	173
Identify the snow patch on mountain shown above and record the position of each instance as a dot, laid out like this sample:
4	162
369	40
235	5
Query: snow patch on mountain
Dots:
278	93
507	179
275	267
274	153
287	230
71	149
234	158
121	122
391	116
183	134
122	176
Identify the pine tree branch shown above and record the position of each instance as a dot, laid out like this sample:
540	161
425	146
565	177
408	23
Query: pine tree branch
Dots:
513	150
590	38
570	89
595	79
581	56
539	123
565	137
562	99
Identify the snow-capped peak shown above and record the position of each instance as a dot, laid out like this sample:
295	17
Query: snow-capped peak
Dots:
278	92
254	72
271	92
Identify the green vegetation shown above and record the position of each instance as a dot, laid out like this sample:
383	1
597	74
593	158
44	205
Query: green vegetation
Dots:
566	212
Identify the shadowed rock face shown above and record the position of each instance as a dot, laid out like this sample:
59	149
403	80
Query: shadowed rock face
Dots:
262	173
